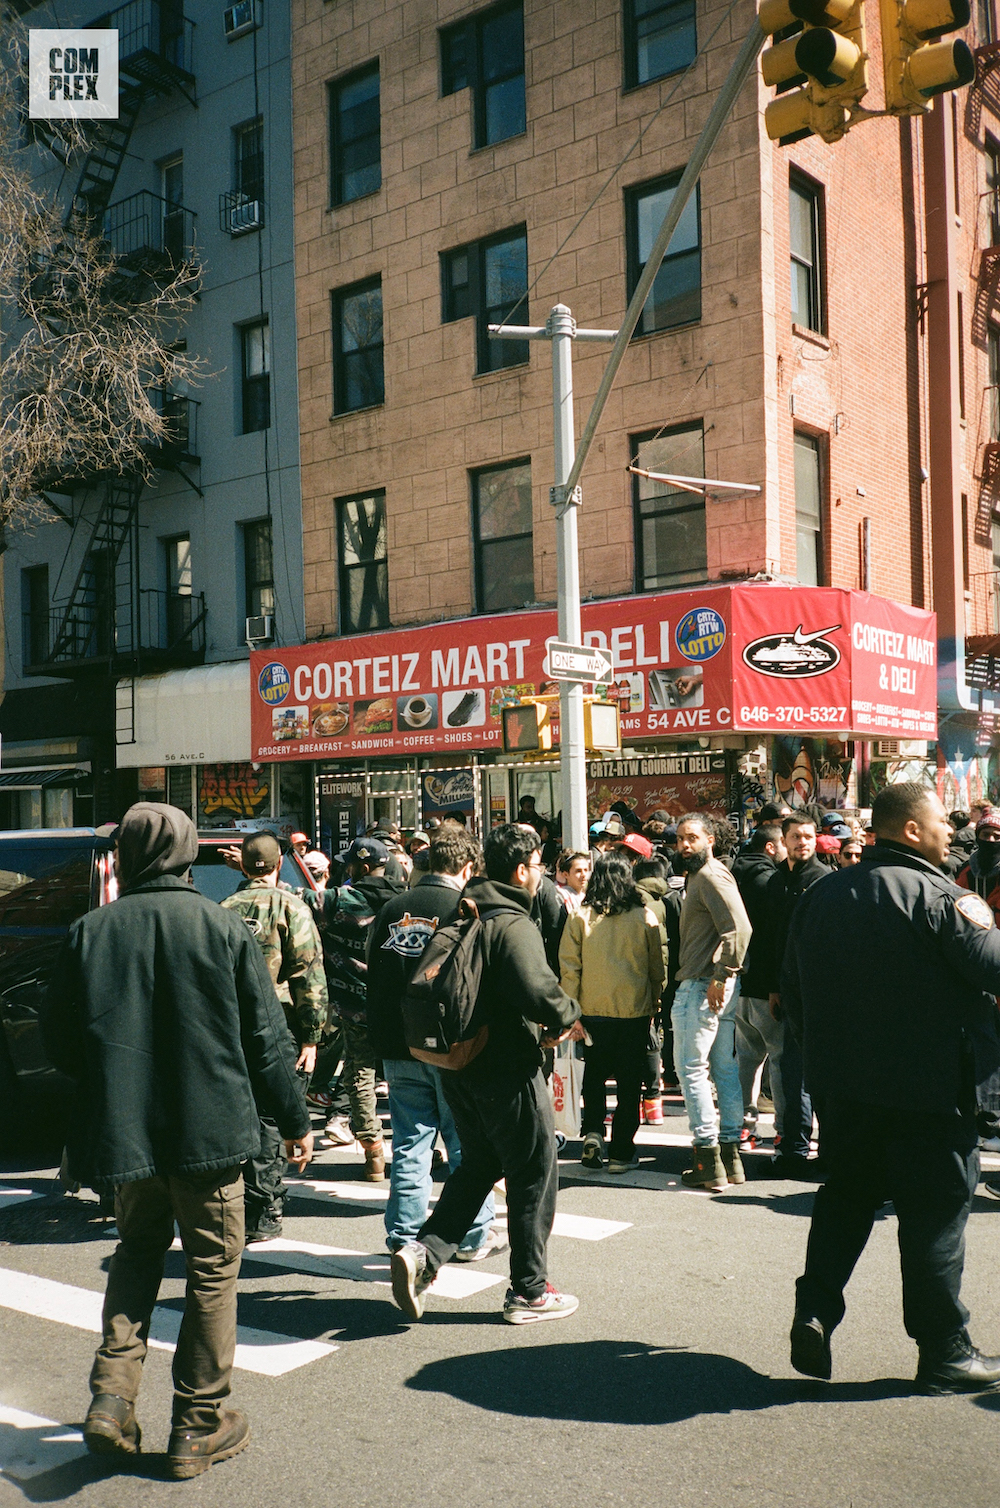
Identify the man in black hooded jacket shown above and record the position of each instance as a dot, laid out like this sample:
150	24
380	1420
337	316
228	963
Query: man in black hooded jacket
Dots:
162	1008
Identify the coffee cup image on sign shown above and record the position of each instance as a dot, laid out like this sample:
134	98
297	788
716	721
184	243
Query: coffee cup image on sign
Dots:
417	711
289	722
676	688
464	709
373	717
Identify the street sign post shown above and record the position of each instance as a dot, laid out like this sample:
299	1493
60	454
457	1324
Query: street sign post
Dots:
577	662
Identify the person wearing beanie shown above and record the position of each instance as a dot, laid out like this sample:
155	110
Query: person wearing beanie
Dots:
163	1012
982	872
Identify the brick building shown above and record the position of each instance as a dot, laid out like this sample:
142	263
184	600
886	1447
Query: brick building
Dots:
821	327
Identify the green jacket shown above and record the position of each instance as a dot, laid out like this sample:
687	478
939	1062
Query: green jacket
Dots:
286	932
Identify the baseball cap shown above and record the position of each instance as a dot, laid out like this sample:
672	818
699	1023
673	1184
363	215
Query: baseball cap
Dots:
316	862
989	822
838	830
638	844
611	825
366	851
299	838
260	853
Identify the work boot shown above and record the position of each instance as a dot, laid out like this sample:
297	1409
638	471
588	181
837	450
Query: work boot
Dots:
957	1367
708	1171
110	1428
192	1451
731	1161
811	1347
374	1160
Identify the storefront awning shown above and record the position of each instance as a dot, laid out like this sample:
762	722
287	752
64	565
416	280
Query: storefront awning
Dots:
36	779
750	658
198	716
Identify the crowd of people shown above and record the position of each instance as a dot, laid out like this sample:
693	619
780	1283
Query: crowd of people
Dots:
673	957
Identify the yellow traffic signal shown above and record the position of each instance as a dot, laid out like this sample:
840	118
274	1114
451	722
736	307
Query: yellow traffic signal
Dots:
917	65
827	58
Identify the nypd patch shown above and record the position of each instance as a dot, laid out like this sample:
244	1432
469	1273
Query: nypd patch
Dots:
975	910
410	935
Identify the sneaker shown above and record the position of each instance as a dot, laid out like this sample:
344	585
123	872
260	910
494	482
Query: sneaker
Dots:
267	1228
652	1111
618	1165
560	1141
592	1155
409	1278
110	1428
496	1241
517	1310
338	1130
192	1451
319	1099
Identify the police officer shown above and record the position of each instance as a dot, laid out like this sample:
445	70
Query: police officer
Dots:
286	932
910	1039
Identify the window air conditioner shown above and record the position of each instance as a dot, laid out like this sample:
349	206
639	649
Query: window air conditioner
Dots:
240	18
244	217
260	630
886	748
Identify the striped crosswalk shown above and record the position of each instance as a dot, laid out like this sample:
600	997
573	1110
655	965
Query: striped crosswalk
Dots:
31	1444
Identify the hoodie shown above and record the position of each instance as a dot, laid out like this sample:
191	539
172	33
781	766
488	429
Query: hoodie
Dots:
153	840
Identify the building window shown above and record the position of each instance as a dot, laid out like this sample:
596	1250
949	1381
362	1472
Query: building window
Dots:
993	351
486	279
669	524
179	587
172	195
248	160
361	559
660	39
805	214
35	611
355	136
808	511
986	23
255	344
485	53
501	528
993	188
358	372
675	297
258	568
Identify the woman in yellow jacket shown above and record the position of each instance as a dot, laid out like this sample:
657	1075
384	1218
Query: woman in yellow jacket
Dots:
612	959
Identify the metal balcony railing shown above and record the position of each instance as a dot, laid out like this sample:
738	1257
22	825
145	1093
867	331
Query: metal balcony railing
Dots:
159	630
155	40
240	212
145	228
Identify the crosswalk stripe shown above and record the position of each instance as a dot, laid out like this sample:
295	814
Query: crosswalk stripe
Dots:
31	1444
10	1197
360	1267
262	1351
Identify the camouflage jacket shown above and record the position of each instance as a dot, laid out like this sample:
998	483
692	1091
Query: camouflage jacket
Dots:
289	941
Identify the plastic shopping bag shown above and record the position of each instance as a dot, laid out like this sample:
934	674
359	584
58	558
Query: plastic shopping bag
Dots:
567	1088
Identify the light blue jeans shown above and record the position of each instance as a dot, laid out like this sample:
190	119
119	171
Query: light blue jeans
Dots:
418	1111
705	1047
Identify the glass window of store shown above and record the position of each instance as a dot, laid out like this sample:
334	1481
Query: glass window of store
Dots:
361	561
671	545
502	535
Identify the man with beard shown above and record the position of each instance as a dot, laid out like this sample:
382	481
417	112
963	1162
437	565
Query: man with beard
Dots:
714	935
982	872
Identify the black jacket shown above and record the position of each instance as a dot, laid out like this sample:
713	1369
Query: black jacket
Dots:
344	917
886	979
161	1007
784	888
401	931
752	873
549	915
520	993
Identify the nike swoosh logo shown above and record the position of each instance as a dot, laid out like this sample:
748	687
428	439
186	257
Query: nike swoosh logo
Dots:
800	638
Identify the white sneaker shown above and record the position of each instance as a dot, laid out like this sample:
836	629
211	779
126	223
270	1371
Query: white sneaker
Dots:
592	1155
517	1310
338	1130
496	1240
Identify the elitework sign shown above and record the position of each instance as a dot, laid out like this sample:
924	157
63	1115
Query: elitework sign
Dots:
72	75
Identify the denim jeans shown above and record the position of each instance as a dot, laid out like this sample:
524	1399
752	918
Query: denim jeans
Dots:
418	1111
704	1046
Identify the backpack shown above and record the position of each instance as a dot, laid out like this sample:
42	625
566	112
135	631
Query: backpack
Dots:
441	1021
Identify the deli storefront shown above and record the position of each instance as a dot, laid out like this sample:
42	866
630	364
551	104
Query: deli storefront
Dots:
728	695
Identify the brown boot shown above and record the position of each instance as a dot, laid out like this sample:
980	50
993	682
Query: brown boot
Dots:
374	1160
708	1171
732	1162
110	1428
192	1451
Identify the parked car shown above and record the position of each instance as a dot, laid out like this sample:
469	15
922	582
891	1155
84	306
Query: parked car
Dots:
48	878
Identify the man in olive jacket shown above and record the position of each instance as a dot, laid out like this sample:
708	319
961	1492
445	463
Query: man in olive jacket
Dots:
162	1008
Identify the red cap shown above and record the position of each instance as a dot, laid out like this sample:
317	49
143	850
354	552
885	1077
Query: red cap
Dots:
638	844
989	822
298	838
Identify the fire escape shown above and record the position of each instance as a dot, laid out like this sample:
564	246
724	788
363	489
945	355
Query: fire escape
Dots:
109	625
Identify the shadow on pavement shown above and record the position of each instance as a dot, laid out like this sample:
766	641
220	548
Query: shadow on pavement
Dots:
619	1382
66	1481
781	1204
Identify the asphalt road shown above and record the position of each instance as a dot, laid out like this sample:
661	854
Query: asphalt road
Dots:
671	1384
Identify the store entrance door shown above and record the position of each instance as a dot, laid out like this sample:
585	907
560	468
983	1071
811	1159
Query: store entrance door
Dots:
341	811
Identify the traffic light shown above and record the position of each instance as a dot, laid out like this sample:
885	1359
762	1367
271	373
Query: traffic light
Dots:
526	728
825	58
917	65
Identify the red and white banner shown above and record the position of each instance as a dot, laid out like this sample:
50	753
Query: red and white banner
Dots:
754	658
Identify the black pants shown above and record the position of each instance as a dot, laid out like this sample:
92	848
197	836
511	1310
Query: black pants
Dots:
797	1128
506	1133
619	1053
872	1157
264	1189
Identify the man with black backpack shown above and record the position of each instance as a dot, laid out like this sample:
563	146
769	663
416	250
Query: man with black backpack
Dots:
499	1099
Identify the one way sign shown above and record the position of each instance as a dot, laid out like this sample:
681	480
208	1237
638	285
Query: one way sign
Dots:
577	662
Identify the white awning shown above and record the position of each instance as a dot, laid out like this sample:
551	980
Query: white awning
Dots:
199	716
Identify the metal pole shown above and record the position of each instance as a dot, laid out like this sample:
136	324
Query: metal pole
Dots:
561	327
737	76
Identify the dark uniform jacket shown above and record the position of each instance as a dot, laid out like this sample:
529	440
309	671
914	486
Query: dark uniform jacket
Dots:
161	1006
402	930
752	873
549	915
344	917
971	877
784	890
889	976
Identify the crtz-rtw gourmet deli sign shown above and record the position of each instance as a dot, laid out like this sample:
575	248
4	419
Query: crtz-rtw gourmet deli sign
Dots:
72	74
748	658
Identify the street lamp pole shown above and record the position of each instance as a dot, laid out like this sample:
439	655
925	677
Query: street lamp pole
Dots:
561	330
